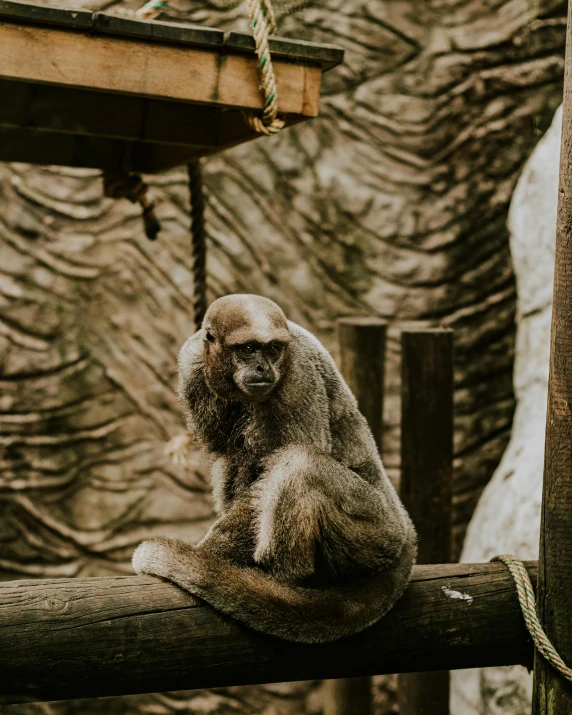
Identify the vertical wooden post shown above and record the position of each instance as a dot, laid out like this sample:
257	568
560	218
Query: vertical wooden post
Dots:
362	353
426	480
552	695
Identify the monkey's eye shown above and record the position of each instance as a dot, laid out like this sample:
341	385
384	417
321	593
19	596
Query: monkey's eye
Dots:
247	349
274	350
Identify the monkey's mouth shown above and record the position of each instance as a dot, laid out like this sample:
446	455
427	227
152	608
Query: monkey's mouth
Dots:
258	388
259	385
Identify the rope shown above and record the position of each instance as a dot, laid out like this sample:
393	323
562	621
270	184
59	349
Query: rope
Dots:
132	187
151	10
527	602
198	243
263	24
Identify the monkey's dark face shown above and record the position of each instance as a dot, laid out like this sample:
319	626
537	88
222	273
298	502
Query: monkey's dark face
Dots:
249	372
257	368
245	347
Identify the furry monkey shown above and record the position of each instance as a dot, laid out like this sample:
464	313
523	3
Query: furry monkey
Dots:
312	542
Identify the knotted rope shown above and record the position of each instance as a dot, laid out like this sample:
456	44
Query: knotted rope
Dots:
527	602
263	24
198	242
132	187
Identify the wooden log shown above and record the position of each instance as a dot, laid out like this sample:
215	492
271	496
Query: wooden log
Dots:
362	357
93	637
552	694
426	479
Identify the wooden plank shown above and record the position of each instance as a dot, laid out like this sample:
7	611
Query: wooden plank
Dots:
54	56
426	479
67	110
324	56
46	14
69	638
362	356
39	147
156	30
552	694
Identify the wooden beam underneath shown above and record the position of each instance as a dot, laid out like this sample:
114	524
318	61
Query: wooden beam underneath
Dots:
95	637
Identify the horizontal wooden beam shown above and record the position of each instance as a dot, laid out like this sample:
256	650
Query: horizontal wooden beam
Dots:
95	637
44	124
47	55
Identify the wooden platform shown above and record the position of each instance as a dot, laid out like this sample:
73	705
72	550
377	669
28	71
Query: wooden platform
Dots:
97	90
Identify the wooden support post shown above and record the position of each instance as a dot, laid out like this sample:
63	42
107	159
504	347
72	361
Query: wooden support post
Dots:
362	354
362	358
552	694
426	480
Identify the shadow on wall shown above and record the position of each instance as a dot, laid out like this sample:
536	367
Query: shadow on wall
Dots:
507	518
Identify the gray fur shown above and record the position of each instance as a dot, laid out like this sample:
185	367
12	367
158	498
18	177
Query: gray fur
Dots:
312	542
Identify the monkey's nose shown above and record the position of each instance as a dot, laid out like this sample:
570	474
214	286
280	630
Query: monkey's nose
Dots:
259	369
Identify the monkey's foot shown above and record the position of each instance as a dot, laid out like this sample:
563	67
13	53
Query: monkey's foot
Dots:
151	557
171	559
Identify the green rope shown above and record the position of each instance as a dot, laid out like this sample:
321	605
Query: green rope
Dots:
527	602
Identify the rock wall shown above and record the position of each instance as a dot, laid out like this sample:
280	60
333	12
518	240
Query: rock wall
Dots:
507	518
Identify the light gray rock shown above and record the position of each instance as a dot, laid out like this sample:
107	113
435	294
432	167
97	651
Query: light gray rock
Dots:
507	518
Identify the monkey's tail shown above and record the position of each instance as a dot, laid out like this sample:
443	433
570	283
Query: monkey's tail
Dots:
304	615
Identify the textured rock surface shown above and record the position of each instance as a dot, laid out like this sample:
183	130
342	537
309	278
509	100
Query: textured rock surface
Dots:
393	203
507	518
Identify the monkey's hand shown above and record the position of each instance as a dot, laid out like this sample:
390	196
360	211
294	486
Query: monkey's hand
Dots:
166	558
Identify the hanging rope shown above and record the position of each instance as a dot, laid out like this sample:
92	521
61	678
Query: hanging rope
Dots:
198	243
527	602
263	24
132	187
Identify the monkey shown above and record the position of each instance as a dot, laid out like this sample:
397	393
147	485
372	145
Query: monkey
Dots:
312	542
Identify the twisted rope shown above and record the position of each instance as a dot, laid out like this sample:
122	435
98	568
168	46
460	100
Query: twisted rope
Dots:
151	10
198	242
263	24
132	187
527	602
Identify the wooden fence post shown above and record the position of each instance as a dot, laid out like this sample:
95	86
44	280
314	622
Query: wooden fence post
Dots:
426	480
362	353
552	694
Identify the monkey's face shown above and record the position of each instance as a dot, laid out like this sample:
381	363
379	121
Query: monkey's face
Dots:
246	340
249	372
257	368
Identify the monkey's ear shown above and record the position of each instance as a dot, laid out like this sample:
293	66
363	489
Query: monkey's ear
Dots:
210	337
